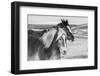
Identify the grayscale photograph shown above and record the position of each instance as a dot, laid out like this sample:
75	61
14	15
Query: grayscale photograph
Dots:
54	37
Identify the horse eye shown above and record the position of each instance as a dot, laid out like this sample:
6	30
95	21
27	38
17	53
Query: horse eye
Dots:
60	39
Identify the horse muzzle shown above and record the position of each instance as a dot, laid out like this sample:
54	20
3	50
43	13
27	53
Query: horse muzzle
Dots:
71	37
63	52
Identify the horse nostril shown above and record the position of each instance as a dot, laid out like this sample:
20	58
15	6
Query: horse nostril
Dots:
64	52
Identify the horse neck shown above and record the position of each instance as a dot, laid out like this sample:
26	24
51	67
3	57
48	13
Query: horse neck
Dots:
54	40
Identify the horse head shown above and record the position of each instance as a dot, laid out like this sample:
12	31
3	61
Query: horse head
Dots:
67	28
64	34
58	36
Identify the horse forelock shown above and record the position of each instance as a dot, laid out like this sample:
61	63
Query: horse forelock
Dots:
60	33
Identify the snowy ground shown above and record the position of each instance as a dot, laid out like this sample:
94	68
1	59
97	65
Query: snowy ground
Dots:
77	49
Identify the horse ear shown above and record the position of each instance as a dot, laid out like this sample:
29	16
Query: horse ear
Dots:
62	20
67	22
48	37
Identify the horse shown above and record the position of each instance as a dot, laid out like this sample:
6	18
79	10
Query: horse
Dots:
51	44
64	34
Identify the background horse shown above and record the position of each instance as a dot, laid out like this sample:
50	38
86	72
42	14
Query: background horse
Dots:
52	44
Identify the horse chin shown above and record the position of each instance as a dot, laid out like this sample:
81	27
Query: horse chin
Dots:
71	39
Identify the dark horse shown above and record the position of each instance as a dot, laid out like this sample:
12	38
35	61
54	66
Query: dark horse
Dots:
49	44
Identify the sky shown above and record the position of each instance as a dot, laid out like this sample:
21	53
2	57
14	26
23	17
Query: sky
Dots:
47	19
